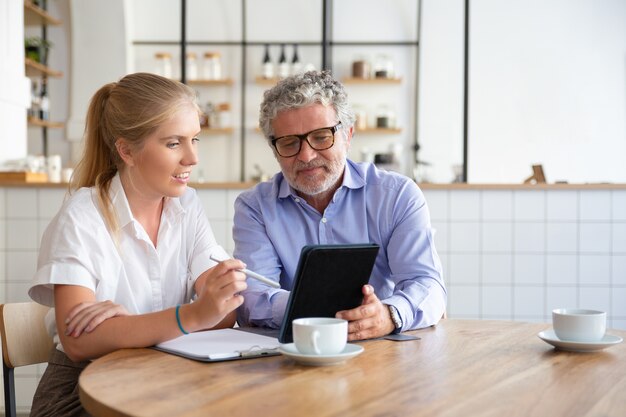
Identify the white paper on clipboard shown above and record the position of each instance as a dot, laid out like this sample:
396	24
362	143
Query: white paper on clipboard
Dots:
220	345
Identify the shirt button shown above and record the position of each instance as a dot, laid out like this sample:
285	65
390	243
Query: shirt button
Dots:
324	220
297	200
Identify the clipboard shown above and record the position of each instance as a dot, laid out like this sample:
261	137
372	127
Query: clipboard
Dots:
221	345
329	278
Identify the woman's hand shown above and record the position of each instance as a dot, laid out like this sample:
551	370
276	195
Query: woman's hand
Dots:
218	296
86	316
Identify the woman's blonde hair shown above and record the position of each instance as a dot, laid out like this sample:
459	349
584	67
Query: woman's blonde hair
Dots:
132	108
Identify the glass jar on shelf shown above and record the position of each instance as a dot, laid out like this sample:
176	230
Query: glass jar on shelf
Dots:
360	122
163	65
385	117
383	67
192	66
212	69
360	68
224	119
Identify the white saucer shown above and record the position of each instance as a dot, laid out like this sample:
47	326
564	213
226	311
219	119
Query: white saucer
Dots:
348	352
550	337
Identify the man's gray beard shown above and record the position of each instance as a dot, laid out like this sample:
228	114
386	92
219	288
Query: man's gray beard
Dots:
336	169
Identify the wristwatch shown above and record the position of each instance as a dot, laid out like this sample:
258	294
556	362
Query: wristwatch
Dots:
395	317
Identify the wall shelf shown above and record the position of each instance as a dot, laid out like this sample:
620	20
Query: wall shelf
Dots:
36	122
218	130
372	81
379	130
35	69
266	81
36	16
225	81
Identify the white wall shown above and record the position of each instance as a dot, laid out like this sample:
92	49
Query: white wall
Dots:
547	84
440	108
14	86
99	54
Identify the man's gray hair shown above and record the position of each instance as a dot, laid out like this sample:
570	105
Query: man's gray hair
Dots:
303	90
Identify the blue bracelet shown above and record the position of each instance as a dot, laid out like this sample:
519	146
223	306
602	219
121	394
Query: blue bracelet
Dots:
180	326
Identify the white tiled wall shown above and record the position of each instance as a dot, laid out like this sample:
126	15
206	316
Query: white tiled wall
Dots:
518	254
507	254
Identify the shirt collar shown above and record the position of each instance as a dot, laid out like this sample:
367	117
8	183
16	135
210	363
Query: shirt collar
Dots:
352	178
120	202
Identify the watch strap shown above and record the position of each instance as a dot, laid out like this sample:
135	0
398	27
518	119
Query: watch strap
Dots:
395	317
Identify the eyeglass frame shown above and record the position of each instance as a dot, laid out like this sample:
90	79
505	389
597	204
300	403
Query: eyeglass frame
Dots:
305	137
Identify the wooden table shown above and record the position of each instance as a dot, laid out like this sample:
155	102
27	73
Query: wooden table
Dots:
458	368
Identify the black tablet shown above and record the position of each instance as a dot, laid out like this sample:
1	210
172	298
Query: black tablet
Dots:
329	278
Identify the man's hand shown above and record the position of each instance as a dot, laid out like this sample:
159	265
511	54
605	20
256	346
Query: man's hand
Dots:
86	316
371	319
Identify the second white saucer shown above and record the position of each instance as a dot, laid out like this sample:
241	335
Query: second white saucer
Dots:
550	337
348	352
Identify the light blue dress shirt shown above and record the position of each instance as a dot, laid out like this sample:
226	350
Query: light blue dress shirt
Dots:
272	224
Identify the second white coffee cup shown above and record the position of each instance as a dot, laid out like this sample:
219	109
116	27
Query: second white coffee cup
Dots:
320	335
579	325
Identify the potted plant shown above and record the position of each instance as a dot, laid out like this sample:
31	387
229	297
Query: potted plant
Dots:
36	48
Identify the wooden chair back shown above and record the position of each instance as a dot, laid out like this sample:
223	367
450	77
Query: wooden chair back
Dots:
25	341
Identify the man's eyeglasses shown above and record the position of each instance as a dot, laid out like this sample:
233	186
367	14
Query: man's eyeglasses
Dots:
318	139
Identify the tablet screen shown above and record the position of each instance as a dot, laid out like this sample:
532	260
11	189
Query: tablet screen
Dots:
329	278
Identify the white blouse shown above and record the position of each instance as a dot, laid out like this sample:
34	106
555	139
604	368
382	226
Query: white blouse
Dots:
77	249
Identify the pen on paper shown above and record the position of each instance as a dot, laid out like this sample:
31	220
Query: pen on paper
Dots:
253	274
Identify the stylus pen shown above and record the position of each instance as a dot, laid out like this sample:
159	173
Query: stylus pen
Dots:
253	274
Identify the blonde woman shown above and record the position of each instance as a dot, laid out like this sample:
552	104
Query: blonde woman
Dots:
130	247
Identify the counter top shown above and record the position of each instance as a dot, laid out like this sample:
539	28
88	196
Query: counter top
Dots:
425	186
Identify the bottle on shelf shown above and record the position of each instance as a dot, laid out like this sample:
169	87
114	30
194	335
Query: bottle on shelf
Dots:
163	64
296	65
283	65
212	66
44	102
33	110
211	115
268	67
192	66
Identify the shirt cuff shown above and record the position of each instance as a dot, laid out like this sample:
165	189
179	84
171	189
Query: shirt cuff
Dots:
279	305
404	311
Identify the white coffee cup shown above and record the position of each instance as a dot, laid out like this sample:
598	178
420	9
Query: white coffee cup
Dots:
320	335
579	325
